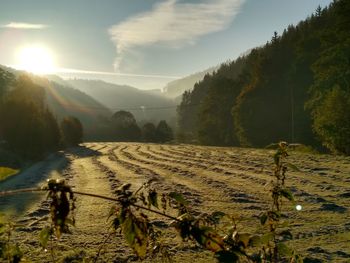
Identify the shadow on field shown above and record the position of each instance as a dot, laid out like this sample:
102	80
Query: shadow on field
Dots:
35	176
82	151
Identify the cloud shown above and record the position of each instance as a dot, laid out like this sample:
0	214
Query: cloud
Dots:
90	72
19	25
174	24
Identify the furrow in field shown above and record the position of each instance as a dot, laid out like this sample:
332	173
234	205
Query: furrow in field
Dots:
317	183
219	191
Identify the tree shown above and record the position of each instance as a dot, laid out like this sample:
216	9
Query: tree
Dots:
6	79
163	132
332	121
72	131
125	127
215	125
27	125
318	11
149	132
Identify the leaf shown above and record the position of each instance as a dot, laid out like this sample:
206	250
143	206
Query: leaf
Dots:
263	218
178	198
293	167
243	239
287	194
284	250
254	241
208	238
153	198
135	233
265	239
44	236
125	187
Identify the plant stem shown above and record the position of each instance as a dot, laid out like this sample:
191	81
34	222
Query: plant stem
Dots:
31	190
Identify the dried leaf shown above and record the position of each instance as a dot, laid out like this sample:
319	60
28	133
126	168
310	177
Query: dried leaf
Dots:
243	239
135	233
153	198
208	238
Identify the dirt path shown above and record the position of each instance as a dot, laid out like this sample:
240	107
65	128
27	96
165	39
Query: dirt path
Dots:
212	179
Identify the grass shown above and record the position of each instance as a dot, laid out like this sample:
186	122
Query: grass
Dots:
6	172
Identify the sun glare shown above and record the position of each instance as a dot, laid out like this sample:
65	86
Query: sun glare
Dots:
36	59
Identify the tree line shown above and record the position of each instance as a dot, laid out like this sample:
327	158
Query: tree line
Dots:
124	127
296	88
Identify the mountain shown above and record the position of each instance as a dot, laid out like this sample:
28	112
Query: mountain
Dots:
144	105
177	87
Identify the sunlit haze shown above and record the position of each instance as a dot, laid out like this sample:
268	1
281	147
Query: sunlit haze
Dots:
36	59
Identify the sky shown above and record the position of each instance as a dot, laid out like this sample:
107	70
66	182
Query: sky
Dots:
144	44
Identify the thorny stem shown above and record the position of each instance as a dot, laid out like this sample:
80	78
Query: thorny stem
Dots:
31	190
101	246
52	252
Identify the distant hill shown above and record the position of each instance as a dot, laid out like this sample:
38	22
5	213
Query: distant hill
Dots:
63	100
175	88
144	105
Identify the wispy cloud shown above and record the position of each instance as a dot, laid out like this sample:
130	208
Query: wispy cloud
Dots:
20	25
173	23
91	72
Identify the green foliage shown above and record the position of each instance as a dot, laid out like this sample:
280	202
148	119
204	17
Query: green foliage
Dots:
125	127
215	123
261	97
72	131
9	251
149	132
29	128
163	132
332	121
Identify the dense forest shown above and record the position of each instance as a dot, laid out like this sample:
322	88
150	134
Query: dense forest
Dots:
296	88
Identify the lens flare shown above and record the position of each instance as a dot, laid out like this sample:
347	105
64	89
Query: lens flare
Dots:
36	59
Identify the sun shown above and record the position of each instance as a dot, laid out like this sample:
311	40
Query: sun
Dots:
36	59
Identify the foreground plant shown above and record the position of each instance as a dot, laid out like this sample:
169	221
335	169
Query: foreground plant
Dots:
9	251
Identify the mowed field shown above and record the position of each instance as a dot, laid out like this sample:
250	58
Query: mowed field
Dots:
232	180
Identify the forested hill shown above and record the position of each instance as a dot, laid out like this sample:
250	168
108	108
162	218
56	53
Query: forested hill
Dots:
63	100
144	105
294	88
176	87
